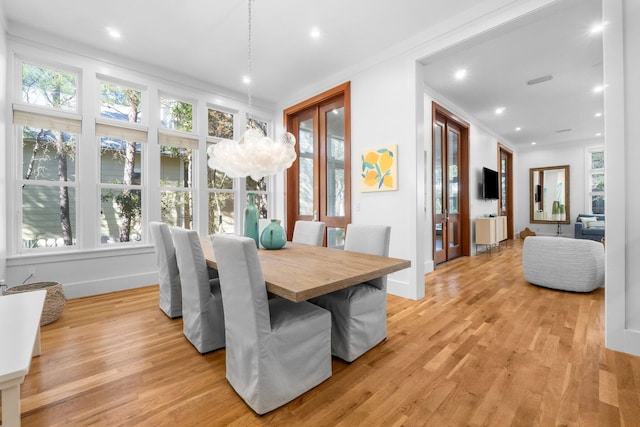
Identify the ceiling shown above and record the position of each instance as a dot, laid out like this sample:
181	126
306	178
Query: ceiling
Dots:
555	41
206	41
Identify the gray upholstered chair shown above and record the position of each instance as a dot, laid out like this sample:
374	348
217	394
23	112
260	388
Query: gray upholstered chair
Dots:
202	313
359	312
276	349
308	232
168	275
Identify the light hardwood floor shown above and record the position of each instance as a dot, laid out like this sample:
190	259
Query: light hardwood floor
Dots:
482	348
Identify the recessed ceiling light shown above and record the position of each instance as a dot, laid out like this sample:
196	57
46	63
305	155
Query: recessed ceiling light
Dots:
460	74
597	28
598	115
598	134
246	80
113	33
500	110
533	143
598	89
518	129
315	33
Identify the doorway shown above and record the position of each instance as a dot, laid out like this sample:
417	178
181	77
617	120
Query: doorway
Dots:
451	225
319	181
505	201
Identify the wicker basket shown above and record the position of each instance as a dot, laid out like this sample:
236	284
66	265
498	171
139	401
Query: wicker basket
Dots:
53	303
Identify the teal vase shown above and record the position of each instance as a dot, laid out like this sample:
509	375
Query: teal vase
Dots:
272	236
251	219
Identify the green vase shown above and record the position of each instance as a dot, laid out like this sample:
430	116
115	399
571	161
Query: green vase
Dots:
555	211
272	236
251	219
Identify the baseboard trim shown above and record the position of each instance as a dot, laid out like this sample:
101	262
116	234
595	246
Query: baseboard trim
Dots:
112	284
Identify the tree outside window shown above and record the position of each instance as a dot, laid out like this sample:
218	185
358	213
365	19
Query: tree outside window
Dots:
595	180
120	161
49	155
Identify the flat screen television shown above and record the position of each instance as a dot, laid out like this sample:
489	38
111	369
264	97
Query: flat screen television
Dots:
490	184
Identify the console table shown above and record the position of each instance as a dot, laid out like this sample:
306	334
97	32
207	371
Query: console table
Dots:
19	342
491	231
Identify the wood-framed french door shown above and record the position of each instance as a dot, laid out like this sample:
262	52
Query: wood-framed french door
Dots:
318	184
505	171
451	224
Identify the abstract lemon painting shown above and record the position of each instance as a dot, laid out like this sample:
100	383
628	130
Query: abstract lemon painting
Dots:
379	169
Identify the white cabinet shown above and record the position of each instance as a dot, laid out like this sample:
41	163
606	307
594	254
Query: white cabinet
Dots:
491	231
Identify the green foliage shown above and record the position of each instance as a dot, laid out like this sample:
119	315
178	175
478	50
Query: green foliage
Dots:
128	203
48	87
122	100
257	125
176	114
220	124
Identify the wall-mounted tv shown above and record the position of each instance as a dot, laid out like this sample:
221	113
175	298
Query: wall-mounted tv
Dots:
490	184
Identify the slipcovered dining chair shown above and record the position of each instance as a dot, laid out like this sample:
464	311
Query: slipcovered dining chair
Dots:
359	312
202	312
308	232
168	275
276	349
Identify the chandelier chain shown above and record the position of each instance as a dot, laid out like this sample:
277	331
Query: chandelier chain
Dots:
249	58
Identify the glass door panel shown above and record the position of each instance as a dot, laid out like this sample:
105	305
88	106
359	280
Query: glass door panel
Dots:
453	191
439	225
447	233
335	237
334	121
305	167
318	185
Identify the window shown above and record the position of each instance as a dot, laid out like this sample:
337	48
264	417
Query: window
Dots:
176	115
48	139
121	191
49	88
259	188
176	181
121	151
220	124
107	182
120	102
595	181
48	187
221	202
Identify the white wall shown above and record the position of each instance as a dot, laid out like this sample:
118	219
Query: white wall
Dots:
385	116
3	142
632	129
622	131
395	86
572	154
389	106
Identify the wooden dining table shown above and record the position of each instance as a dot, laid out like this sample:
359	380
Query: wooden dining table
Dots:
299	272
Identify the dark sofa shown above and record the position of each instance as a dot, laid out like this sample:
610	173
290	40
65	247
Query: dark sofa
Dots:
592	230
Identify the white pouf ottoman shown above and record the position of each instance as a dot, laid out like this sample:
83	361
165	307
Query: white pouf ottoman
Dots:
561	263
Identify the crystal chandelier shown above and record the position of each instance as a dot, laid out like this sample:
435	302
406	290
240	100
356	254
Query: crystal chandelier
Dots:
254	154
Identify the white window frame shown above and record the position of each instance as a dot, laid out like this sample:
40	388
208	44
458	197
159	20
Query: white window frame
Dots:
178	139
194	112
589	172
26	114
126	128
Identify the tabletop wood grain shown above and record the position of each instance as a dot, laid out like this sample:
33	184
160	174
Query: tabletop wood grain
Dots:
299	272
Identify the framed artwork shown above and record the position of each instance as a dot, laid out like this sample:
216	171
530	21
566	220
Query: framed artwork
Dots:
379	171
